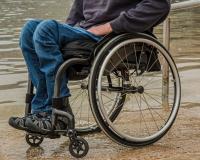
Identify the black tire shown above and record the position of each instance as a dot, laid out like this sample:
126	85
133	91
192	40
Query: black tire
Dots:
34	141
78	145
104	123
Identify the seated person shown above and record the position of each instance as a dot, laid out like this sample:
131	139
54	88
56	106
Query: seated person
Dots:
41	42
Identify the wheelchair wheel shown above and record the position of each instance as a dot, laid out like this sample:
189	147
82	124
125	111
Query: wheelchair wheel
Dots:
85	122
33	140
149	109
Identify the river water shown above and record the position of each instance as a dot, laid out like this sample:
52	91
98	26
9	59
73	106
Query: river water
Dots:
185	48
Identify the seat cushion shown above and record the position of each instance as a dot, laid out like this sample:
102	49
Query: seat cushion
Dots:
82	48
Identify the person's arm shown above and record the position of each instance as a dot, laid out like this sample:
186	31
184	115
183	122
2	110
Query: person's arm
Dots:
147	14
101	30
76	13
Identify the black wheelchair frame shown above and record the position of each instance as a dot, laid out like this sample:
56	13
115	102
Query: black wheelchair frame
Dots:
75	141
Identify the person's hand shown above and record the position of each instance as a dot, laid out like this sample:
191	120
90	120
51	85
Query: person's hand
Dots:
101	30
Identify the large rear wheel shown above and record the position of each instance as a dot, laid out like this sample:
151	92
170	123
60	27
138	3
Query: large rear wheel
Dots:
150	106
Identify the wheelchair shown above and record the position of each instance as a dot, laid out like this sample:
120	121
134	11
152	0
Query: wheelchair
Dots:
121	89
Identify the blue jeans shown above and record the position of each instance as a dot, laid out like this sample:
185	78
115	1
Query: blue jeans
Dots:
40	42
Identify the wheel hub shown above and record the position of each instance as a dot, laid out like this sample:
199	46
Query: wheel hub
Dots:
140	90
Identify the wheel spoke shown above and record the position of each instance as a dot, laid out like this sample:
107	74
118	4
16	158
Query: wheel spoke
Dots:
149	108
139	105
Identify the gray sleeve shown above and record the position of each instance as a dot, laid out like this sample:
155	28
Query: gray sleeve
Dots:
76	13
147	14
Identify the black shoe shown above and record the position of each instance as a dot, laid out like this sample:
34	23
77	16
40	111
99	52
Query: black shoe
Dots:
19	122
42	123
39	123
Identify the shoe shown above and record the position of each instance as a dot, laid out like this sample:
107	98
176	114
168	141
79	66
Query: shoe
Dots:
19	122
39	123
42	122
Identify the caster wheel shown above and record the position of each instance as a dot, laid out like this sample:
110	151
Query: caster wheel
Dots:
78	147
34	141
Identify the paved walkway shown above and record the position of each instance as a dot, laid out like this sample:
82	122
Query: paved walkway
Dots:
181	143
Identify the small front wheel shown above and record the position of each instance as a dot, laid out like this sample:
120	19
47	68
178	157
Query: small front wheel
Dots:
33	140
78	148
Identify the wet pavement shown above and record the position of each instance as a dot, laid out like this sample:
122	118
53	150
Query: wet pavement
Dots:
181	143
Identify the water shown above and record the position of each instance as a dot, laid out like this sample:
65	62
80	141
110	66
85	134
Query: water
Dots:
15	13
185	39
185	45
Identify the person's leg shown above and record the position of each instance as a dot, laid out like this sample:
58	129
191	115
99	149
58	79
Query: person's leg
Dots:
37	77
48	38
33	65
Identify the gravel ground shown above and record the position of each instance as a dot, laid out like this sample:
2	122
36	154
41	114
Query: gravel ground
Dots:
181	143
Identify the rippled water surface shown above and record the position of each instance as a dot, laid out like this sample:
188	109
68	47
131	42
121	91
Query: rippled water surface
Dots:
15	13
185	24
185	47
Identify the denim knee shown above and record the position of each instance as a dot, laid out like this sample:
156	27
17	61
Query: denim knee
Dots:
46	31
27	33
